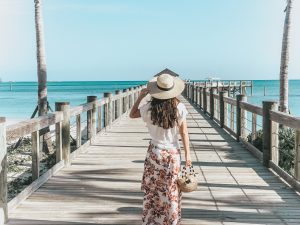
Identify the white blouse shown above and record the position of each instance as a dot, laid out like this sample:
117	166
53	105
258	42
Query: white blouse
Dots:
163	138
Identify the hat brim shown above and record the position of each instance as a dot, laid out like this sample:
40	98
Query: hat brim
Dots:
155	92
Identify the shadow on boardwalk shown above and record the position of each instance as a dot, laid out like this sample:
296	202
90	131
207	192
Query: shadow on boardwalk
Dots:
103	184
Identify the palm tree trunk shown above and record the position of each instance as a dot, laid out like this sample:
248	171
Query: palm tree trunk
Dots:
41	60
284	81
45	138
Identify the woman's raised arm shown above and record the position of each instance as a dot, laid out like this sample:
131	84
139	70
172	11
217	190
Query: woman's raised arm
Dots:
135	112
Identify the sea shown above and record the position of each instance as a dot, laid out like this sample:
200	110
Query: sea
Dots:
19	99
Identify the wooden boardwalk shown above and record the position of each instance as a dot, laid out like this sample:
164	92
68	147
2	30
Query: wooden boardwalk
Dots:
102	186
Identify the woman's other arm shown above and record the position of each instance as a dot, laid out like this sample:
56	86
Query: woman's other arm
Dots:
186	142
135	112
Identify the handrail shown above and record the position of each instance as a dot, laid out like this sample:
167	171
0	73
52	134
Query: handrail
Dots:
252	108
27	127
285	119
232	116
74	111
229	100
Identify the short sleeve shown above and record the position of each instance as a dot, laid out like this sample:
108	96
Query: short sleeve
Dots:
182	112
144	109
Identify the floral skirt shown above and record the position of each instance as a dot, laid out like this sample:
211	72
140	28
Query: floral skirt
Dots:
162	197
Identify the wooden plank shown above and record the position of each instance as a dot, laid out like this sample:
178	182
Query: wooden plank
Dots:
21	129
74	111
16	201
285	119
229	100
252	108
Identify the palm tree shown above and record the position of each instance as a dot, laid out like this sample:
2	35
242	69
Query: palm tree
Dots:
42	74
284	81
41	60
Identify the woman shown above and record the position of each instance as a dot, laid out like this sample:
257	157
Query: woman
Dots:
165	118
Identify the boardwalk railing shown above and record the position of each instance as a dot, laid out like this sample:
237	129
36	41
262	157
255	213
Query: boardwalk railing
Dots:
232	86
233	115
100	115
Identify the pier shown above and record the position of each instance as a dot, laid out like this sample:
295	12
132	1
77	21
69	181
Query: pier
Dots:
99	181
232	87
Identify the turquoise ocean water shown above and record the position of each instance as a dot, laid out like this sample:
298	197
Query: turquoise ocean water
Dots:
20	102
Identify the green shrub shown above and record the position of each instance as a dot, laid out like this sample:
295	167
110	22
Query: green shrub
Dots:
258	141
286	147
287	151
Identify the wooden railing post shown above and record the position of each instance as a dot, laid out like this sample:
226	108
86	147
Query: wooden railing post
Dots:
135	94
91	118
253	125
65	133
108	110
130	100
125	101
297	158
223	108
35	145
118	106
270	152
197	96
191	92
58	141
3	173
205	99
241	120
78	129
200	98
188	89
194	93
212	103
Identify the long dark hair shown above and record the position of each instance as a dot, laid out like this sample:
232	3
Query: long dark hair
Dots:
164	112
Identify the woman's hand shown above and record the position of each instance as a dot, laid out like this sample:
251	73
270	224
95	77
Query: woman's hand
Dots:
188	162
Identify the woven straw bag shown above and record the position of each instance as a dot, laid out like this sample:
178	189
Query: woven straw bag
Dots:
187	180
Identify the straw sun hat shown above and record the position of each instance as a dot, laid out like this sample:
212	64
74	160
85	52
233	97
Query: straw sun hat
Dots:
165	86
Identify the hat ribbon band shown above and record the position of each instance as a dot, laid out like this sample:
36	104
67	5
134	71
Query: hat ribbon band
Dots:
165	89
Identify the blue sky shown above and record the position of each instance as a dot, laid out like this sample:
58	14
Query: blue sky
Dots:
132	40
